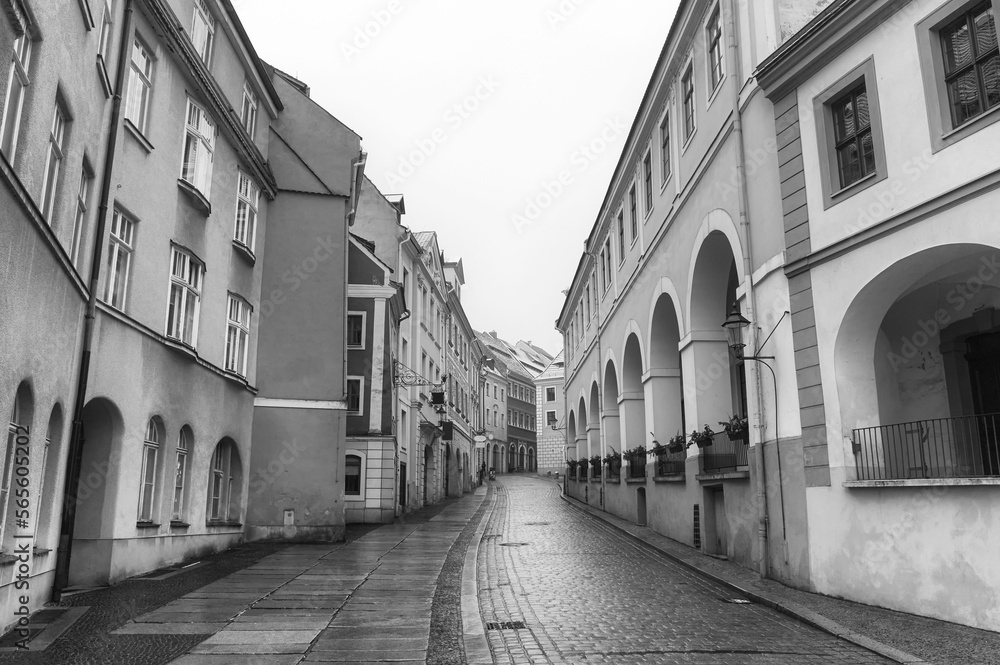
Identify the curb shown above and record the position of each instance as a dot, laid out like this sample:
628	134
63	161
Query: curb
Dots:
794	610
477	648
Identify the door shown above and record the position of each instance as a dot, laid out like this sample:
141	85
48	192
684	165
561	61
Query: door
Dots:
402	486
721	525
640	501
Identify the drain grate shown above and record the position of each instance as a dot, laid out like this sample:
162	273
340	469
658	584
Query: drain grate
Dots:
513	544
505	625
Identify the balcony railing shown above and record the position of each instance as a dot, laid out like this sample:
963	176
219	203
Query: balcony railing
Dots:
962	447
595	471
670	464
636	465
724	454
582	469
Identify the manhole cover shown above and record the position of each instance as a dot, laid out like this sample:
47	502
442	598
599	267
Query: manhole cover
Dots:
505	625
513	544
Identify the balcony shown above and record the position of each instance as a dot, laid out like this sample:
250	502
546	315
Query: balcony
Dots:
962	447
724	455
636	464
670	464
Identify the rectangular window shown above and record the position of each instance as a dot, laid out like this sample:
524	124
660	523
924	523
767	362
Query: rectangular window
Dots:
120	248
586	300
713	38
633	214
621	236
53	162
607	259
199	146
550	394
352	476
184	305
852	133
203	31
237	335
971	63
150	449
647	181
354	395
20	62
687	95
356	331
665	147
104	42
604	274
79	221
140	83
221	482
180	474
247	200
248	112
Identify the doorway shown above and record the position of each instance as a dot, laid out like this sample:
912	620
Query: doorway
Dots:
402	486
640	505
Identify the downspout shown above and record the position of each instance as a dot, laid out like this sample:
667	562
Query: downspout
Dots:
762	516
75	456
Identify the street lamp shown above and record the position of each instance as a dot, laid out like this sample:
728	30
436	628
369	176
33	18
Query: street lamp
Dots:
735	324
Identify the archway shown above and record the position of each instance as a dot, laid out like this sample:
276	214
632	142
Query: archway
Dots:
531	460
49	489
428	473
22	416
520	458
583	431
594	424
632	401
572	453
610	413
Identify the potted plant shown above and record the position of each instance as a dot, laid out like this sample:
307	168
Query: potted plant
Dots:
657	449
614	462
596	462
703	438
737	429
572	464
677	443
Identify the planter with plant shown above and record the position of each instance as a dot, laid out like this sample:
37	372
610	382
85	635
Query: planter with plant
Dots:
614	462
636	462
702	438
596	462
677	443
737	429
572	464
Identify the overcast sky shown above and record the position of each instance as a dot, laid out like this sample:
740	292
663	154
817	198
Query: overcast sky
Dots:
500	122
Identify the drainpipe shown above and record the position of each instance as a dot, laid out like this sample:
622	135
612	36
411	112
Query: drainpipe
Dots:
75	456
762	516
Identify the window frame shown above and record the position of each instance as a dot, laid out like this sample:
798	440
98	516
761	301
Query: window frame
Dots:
715	21
689	110
241	331
56	153
833	193
188	288
647	182
145	512
666	163
249	109
20	67
200	175
145	83
248	198
360	411
364	330
362	474
220	495
117	247
620	219
204	51
932	70
80	216
182	458
547	389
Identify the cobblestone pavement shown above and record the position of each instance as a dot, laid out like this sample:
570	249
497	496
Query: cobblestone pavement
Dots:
588	594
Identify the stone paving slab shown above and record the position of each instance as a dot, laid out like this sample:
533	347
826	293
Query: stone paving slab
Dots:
237	659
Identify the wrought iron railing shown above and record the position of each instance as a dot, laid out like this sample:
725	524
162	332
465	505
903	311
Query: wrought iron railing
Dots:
724	454
595	470
962	447
582	469
670	464
615	468
636	465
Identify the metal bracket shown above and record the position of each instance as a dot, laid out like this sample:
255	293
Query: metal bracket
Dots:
404	376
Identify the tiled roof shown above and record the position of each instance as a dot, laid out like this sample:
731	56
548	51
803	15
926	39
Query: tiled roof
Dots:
556	369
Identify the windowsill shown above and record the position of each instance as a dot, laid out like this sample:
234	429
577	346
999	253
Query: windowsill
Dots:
147	525
14	558
726	475
245	252
102	74
970	127
663	185
181	346
197	198
235	376
616	481
138	136
844	191
922	482
177	524
221	523
671	478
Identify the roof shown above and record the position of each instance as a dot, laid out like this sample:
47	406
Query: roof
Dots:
504	354
424	238
555	370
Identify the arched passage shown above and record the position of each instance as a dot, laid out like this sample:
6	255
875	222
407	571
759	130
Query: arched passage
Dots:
594	424
571	451
582	432
664	386
632	406
612	424
920	343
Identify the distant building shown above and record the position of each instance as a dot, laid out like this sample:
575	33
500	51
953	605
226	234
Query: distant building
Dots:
494	401
551	417
521	445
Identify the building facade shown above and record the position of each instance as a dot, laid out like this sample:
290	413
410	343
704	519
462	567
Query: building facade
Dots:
550	417
494	401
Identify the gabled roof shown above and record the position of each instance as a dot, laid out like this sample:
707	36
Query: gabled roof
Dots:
505	355
424	238
555	370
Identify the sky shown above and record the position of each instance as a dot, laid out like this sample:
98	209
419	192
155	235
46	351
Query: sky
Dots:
500	122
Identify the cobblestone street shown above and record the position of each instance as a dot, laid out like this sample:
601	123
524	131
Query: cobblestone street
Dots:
587	593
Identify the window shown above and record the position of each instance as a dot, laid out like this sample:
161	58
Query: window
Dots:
687	95
20	62
53	162
237	335
139	86
199	144
17	418
147	483
665	147
586	301
971	63
713	38
621	236
354	389
550	394
223	505
185	296
852	155
180	475
647	182
104	42
80	219
607	259
356	330
852	135
494	391
248	112
119	259
352	476
203	30
632	213
247	200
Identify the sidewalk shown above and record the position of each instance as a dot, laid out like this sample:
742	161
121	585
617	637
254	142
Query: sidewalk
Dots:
904	638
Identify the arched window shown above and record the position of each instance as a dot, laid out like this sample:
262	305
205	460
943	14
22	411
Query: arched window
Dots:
224	483
184	442
352	476
20	424
147	482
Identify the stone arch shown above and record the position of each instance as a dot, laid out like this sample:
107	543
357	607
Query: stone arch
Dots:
665	376
718	227
610	412
49	490
632	403
225	483
583	426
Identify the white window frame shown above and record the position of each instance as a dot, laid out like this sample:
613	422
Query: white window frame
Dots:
121	244
247	204
8	466
689	110
248	109
362	475
621	235
238	316
715	21
666	163
220	486
198	148
140	86
53	162
647	182
203	31
187	276
633	212
364	330
361	396
80	219
104	40
19	67
180	476
147	476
